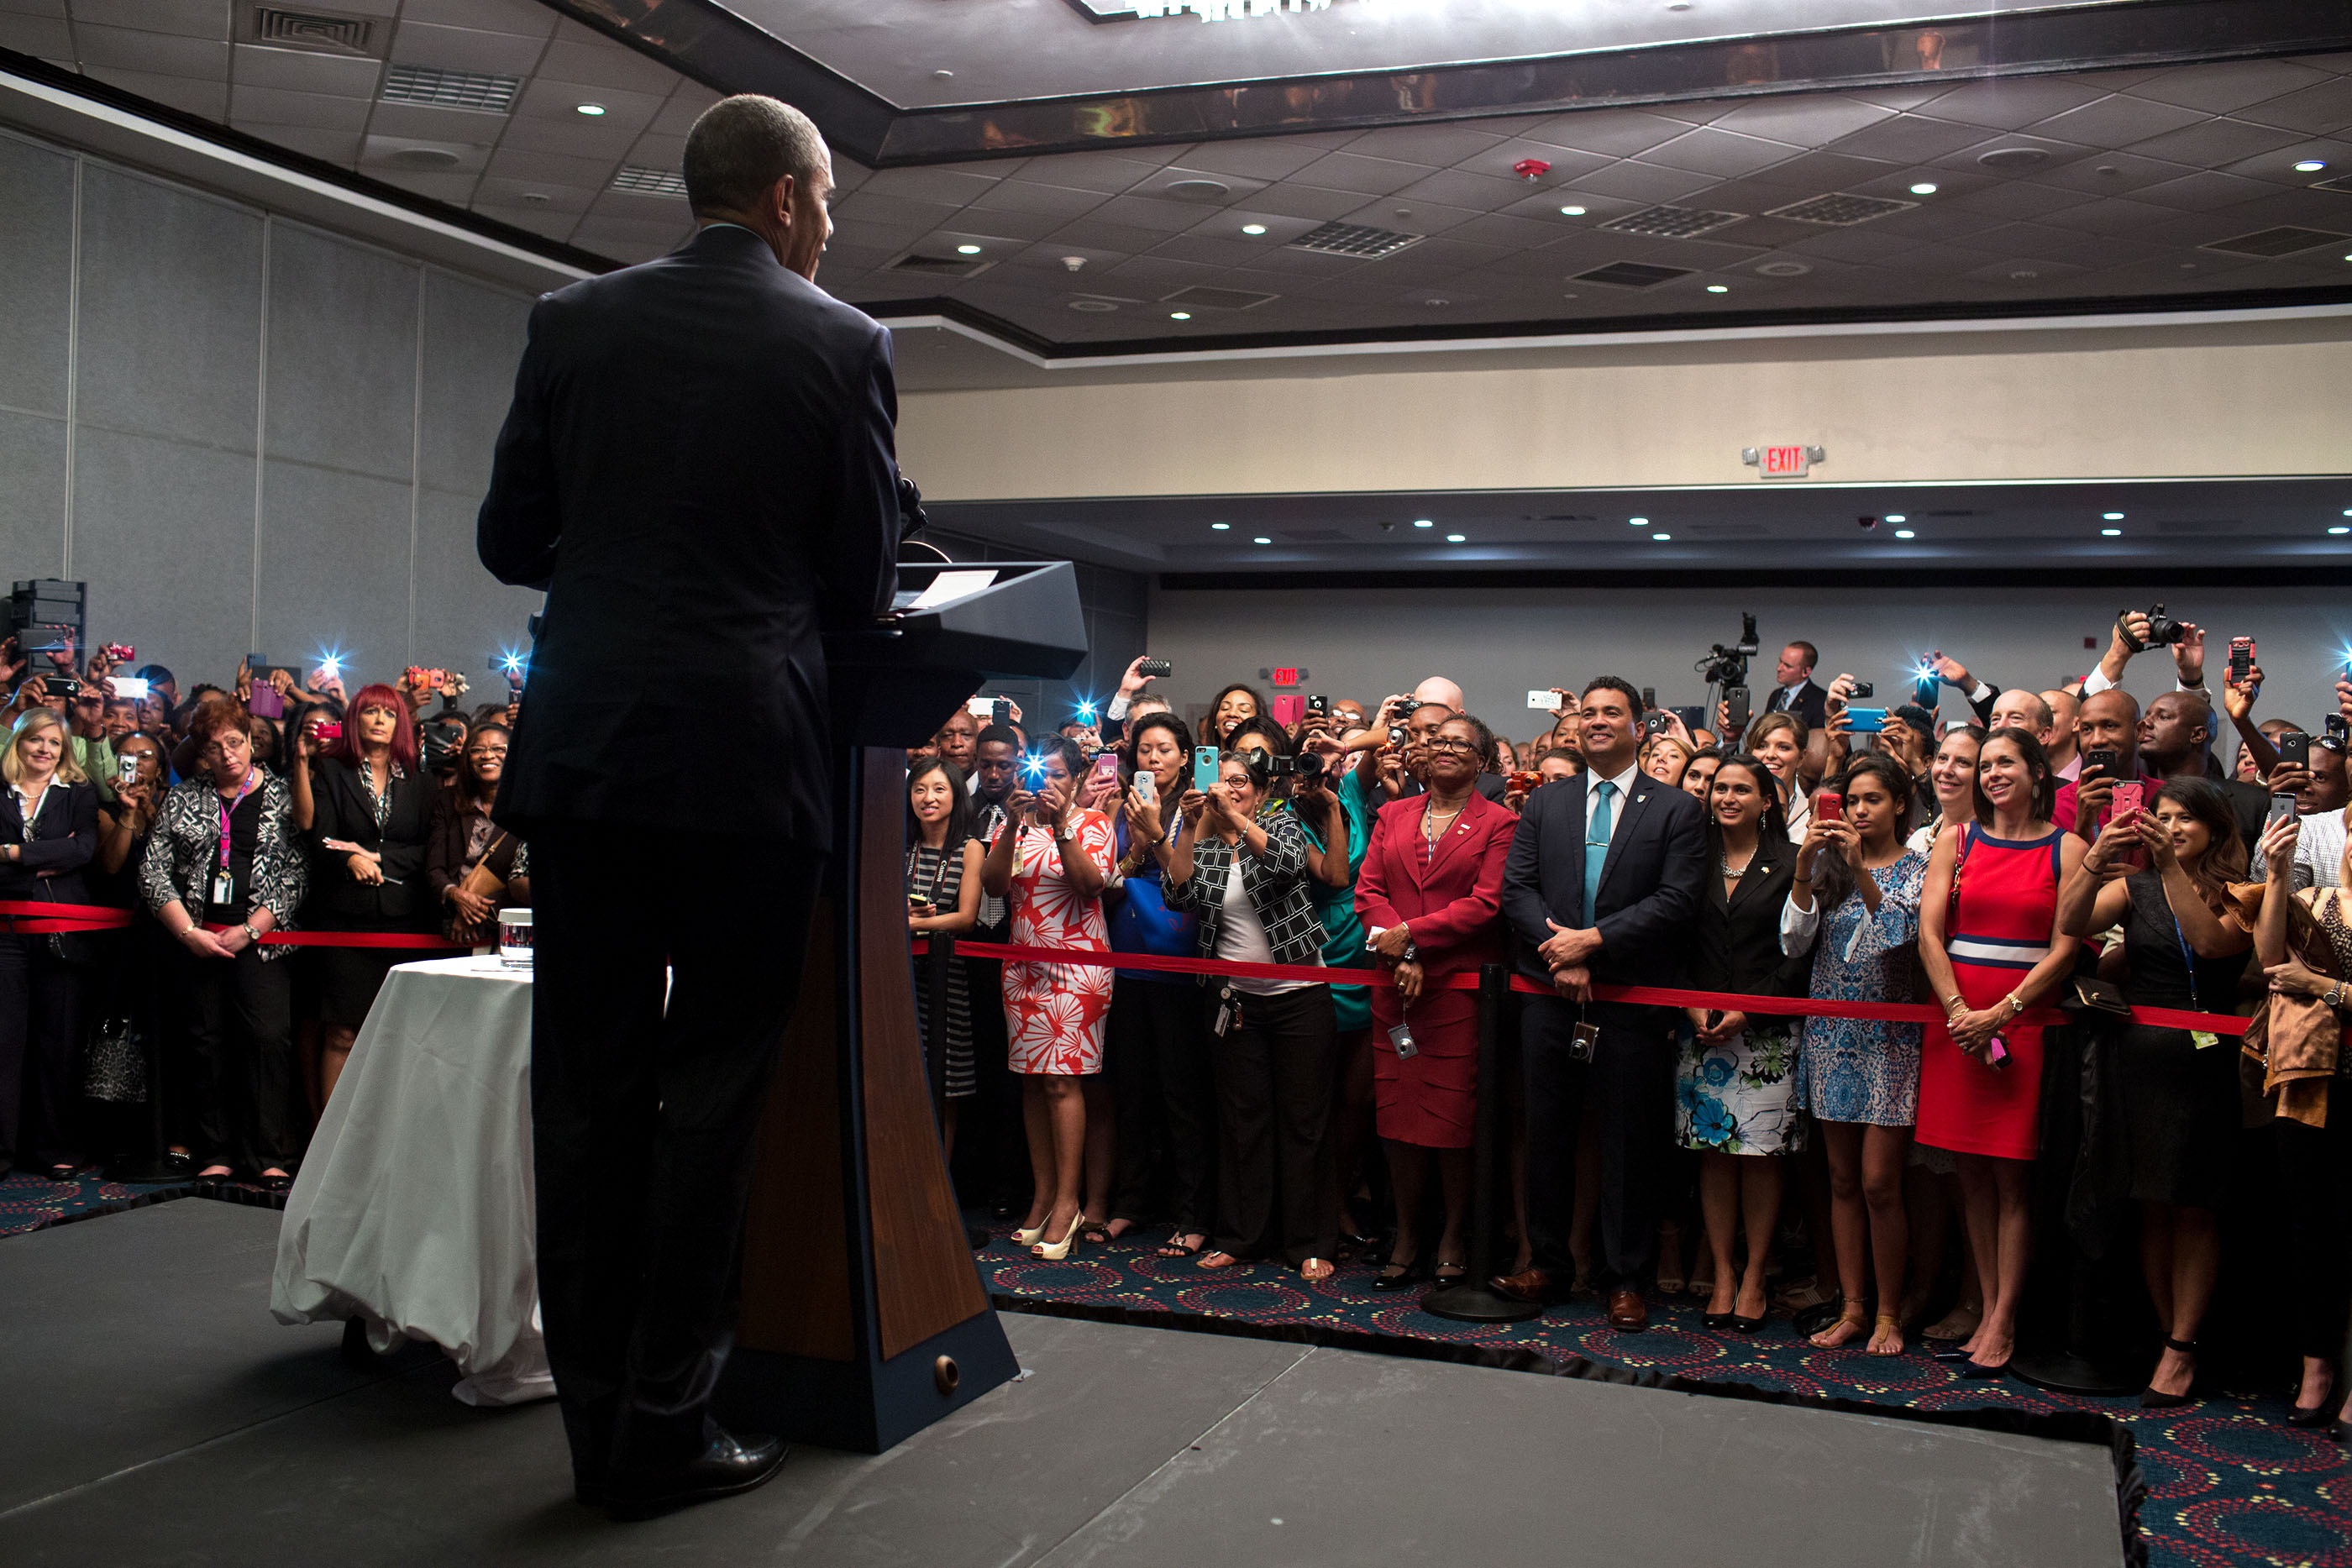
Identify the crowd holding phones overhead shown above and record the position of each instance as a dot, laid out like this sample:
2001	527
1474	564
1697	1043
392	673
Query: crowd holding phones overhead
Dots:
218	815
2056	847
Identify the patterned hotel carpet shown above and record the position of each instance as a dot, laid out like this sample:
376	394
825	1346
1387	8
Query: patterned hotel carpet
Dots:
2230	1485
29	1202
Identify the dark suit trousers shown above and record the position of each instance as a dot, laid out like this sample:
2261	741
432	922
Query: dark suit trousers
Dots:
40	1015
241	1026
1276	1071
1631	1076
1159	1065
643	1122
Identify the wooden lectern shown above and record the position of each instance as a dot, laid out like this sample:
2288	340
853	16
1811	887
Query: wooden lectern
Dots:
864	1319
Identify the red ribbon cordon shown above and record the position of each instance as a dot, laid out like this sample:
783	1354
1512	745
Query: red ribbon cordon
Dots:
1646	996
24	918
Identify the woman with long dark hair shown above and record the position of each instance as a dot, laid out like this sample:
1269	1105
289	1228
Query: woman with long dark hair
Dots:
1234	705
943	862
2185	947
1991	944
371	820
463	836
1856	903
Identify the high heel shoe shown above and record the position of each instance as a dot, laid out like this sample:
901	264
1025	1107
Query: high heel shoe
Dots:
2150	1399
1406	1275
2319	1418
1054	1251
1027	1235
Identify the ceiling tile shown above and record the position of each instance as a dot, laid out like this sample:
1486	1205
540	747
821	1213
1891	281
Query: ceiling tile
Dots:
1096	233
2006	104
2203	192
2007	274
546	221
45	36
1160	185
1434	146
1028	196
515	164
1618	133
2118	121
1150	213
1818	172
1474	193
606	64
2109	173
1095	171
927	185
376	154
1367	176
2015	199
1306	201
50	10
522	16
1415	216
581	137
430	122
1271	160
156	53
555	98
1709	150
304	70
2113	216
1805	120
506	190
2225	85
1908	139
341	147
687	105
466	49
659	152
2213	142
2278	168
2054	151
188	18
457	189
1643	182
1279	230
1512	234
2325	108
1900	98
1005	225
319	110
1497	162
870	206
1211	249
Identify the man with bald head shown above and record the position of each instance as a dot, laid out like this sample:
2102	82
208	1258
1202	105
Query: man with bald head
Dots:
1437	689
2065	707
2108	722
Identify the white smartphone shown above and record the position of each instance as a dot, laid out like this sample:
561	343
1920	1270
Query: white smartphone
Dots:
1545	699
1147	789
980	708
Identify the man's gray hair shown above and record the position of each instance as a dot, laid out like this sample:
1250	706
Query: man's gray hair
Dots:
742	146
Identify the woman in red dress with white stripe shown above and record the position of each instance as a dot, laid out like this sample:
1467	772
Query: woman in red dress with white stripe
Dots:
1989	940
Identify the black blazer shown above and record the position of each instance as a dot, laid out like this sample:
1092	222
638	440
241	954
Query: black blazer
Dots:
1736	945
698	468
1808	702
63	841
341	809
1651	880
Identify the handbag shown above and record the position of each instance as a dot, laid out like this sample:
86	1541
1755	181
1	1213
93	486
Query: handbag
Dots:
2088	993
114	1063
482	883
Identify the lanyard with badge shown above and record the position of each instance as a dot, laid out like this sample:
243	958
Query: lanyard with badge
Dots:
2200	1038
224	880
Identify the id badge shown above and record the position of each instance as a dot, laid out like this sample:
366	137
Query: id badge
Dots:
2204	1040
1401	1036
223	887
1227	1012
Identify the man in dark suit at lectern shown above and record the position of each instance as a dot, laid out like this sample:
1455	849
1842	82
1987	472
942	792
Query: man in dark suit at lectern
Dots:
698	468
1602	888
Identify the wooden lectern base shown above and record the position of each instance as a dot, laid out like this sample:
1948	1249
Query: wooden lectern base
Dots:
863	1317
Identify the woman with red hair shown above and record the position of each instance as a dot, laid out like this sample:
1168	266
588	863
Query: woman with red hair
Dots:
371	817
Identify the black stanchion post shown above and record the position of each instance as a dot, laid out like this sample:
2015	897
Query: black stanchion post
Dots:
1473	1301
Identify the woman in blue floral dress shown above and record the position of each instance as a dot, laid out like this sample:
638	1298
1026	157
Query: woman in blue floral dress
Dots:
1734	1096
1860	1079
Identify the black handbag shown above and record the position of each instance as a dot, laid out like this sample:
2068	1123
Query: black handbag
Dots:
2088	993
114	1063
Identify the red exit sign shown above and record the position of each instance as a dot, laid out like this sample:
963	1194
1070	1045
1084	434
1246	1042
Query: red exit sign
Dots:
1781	462
1285	678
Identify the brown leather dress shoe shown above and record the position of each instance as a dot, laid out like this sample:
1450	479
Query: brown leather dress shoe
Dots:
1528	1285
1627	1314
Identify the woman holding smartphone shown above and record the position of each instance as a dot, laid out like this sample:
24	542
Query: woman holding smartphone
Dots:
1159	1065
1051	861
942	900
1777	739
2185	947
1992	947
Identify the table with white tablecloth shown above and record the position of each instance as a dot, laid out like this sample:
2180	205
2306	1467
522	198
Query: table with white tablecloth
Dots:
414	1209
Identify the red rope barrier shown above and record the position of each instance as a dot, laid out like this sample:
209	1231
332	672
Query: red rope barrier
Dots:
1645	995
22	918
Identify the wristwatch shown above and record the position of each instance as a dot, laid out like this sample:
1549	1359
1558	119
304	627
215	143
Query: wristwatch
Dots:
2335	995
250	933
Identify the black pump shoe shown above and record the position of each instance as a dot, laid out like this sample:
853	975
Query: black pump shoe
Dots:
2319	1418
1410	1274
730	1466
2150	1399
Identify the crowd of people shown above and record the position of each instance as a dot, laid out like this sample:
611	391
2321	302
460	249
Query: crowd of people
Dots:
2046	854
277	801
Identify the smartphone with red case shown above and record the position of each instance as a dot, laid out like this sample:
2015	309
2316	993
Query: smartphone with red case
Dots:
1829	806
2128	796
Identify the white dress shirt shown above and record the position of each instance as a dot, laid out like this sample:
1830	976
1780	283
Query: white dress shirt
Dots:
1617	802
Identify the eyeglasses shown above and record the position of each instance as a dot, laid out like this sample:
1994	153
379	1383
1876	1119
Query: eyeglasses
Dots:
1449	743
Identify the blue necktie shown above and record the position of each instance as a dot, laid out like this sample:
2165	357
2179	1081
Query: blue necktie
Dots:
1596	847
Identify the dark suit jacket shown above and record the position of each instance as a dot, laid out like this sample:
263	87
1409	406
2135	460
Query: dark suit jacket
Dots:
699	468
64	842
1737	942
1808	702
341	809
1651	880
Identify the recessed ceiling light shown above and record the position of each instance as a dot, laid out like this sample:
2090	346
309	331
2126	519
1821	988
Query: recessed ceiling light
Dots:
2340	529
1896	517
1718	288
1253	228
1261	539
2310	166
967	250
943	74
1571	212
1456	539
1903	534
2113	516
1924	188
1180	315
1662	538
1425	523
1221	527
2111	533
1638	522
592	109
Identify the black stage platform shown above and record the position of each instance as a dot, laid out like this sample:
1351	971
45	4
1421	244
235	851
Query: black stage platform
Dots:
155	1415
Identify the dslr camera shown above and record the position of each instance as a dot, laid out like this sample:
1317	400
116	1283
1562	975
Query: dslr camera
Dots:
2163	631
1306	767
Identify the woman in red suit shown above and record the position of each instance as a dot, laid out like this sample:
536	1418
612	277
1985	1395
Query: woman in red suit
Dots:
1429	895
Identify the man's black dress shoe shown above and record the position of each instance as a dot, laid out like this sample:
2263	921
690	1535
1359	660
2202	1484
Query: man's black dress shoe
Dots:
729	1467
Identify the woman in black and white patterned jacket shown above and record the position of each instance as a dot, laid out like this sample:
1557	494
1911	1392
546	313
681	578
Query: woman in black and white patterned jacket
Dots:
1241	865
222	868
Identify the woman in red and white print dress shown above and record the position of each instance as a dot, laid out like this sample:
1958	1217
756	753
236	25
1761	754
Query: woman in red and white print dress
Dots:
1052	861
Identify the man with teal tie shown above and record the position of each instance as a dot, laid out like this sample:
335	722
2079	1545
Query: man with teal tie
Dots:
1604	879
